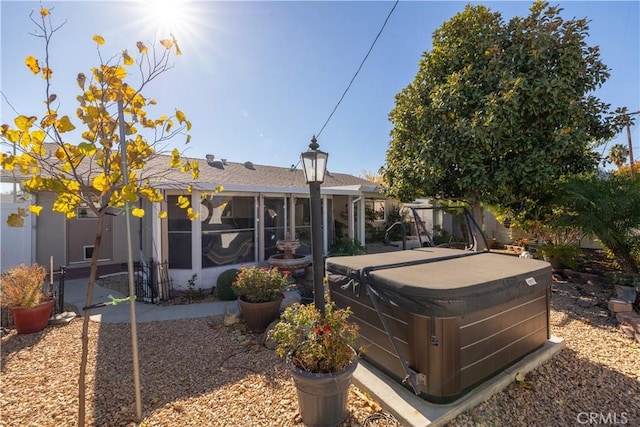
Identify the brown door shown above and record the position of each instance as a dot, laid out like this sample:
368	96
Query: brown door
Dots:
81	236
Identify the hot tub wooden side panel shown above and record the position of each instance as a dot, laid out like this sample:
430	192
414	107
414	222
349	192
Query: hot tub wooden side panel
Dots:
378	349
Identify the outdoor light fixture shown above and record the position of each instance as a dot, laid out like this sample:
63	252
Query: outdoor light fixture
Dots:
314	165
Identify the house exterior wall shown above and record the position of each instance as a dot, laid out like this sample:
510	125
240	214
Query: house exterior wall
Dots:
16	242
52	239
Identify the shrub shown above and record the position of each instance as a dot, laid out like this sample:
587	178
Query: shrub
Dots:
255	284
22	286
224	290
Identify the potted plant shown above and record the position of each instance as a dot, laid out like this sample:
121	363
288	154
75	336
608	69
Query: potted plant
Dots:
21	290
321	350
259	292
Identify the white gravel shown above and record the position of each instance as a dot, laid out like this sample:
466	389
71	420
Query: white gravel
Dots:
199	373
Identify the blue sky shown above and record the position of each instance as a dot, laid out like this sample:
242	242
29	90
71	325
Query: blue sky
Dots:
258	79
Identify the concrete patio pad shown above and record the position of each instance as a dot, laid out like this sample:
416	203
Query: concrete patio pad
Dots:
412	411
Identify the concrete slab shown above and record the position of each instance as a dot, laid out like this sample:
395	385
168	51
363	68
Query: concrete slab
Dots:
412	411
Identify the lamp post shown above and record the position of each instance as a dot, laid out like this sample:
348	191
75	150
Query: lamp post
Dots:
314	164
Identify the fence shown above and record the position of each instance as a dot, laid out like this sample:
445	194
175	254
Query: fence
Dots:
152	281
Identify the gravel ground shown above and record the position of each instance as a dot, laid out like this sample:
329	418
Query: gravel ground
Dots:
199	373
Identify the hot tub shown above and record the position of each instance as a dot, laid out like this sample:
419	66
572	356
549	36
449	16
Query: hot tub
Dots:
443	320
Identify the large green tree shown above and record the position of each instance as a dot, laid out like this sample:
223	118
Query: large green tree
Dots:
498	111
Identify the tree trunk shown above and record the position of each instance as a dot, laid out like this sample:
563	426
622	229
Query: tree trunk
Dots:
478	237
85	321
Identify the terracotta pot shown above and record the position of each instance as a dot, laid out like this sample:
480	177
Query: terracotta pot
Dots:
33	319
258	315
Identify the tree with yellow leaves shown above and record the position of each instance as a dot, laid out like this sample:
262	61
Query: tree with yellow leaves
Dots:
92	173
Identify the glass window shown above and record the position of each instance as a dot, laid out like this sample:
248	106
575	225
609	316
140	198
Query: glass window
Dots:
303	225
228	225
179	230
275	223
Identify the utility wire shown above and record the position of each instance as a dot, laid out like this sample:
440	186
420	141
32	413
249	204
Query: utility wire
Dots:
359	68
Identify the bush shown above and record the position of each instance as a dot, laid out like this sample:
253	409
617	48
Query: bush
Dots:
224	290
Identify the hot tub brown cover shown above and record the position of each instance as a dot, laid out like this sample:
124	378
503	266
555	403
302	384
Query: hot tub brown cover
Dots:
442	282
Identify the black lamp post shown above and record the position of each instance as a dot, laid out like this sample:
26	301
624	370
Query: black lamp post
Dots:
314	163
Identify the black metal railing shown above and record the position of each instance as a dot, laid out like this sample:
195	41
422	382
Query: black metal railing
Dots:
152	280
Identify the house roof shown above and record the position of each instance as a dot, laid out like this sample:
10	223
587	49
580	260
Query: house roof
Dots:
242	177
253	177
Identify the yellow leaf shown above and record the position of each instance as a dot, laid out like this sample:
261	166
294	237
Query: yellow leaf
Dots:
137	212
44	11
178	51
86	148
152	102
98	39
128	60
24	122
35	209
129	193
191	215
141	47
189	188
100	183
81	79
162	214
175	158
15	220
180	116
188	125
169	126
32	63
183	202
166	43
46	72
64	125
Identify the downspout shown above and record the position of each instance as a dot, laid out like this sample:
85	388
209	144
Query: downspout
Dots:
351	225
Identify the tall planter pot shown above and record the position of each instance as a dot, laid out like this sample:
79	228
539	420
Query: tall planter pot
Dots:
323	398
258	315
33	319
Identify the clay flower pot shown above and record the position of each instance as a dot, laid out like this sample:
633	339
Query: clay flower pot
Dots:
33	319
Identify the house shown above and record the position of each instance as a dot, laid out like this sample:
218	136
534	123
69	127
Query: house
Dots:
258	206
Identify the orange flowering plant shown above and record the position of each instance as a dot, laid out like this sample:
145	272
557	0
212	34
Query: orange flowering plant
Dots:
255	284
316	343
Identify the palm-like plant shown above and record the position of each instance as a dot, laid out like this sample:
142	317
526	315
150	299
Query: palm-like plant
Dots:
607	208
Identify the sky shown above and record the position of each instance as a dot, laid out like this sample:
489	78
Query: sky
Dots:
259	79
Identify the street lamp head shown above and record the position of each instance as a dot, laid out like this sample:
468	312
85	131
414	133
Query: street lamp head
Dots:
314	163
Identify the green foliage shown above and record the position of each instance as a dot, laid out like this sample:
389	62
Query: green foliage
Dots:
256	284
22	286
224	290
498	111
605	207
193	293
395	214
566	254
347	247
316	343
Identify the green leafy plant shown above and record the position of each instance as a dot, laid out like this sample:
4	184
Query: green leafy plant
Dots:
316	343
224	288
347	247
193	293
566	254
22	286
256	284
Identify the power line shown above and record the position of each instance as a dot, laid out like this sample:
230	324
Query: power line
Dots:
359	68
